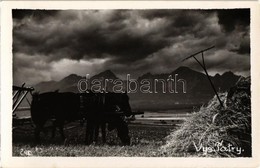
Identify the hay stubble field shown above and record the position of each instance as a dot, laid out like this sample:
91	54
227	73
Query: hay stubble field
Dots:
146	141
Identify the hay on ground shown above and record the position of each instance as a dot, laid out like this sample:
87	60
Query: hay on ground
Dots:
215	131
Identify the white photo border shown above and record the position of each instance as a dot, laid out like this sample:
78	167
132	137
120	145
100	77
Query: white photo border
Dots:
6	87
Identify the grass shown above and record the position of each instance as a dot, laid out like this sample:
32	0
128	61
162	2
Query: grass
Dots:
145	142
91	150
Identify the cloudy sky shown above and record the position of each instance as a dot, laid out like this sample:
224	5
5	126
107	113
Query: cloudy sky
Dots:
49	45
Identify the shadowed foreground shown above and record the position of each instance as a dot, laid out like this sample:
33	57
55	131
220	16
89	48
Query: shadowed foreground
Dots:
145	142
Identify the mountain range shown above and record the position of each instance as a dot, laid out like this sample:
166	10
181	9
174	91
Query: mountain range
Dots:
198	88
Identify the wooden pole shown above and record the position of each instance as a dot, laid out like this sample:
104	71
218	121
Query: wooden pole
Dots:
203	65
20	101
212	85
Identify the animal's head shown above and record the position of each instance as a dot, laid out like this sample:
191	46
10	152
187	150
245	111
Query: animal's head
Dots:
122	102
35	94
35	97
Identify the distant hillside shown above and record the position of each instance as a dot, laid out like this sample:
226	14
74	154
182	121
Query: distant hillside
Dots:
198	89
68	84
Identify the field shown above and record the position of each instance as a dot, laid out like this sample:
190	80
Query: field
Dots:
146	140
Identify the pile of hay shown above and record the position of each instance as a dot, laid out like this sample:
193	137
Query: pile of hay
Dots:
216	131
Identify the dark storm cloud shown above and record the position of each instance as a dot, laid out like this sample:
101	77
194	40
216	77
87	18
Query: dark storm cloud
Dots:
244	46
229	19
92	40
141	40
37	14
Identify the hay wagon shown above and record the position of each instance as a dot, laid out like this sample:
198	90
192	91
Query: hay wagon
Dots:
19	95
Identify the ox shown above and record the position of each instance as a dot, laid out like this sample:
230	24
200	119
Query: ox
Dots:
97	108
105	110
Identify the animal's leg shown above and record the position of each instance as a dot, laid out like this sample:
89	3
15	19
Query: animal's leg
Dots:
122	131
103	130
82	121
54	129
37	133
89	132
96	132
61	126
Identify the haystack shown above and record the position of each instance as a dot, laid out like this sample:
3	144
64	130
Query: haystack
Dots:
215	131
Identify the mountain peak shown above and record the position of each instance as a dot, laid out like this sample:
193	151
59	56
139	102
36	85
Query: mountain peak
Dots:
182	69
108	74
228	73
217	75
108	71
148	74
71	76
